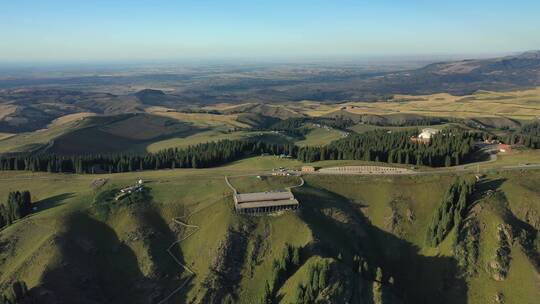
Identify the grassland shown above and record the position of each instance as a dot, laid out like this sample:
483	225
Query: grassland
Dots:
261	183
517	105
99	134
6	110
70	118
197	196
166	128
320	137
376	194
120	252
201	137
146	127
200	119
384	200
5	135
33	140
342	213
520	104
516	157
212	136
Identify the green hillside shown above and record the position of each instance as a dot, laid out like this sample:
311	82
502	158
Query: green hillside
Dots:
320	137
100	134
80	243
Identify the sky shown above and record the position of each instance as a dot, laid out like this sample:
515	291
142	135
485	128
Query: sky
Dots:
136	30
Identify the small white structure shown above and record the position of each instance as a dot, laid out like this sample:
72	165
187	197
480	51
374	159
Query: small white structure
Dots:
427	133
129	190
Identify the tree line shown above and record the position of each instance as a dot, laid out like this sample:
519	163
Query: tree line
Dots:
295	126
199	156
18	205
447	148
283	268
528	135
317	281
451	212
450	147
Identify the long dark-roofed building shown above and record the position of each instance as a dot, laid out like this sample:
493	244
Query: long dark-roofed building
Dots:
265	202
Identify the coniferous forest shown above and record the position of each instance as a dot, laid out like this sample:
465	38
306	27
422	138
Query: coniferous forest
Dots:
451	212
448	148
528	135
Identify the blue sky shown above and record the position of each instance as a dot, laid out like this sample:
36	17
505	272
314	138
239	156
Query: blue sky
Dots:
122	30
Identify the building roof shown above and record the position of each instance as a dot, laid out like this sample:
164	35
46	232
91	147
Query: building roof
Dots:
263	196
289	202
427	133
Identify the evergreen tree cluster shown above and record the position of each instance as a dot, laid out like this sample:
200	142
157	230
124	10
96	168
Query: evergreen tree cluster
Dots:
283	268
199	156
18	205
295	126
317	280
532	129
395	121
451	211
529	136
291	126
449	147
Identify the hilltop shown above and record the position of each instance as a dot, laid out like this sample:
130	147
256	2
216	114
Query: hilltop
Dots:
344	222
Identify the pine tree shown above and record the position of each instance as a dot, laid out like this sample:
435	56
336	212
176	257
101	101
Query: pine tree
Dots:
194	162
296	256
267	296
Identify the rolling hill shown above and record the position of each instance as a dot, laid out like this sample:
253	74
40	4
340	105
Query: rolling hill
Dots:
99	134
461	233
80	244
452	85
465	76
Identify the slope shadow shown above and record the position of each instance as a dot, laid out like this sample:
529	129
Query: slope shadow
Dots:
95	266
51	202
166	266
339	227
486	185
94	139
483	188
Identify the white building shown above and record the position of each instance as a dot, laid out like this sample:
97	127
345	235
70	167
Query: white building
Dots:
427	133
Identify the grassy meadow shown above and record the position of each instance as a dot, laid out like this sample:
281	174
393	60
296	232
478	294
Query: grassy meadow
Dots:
386	215
523	104
262	183
319	137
